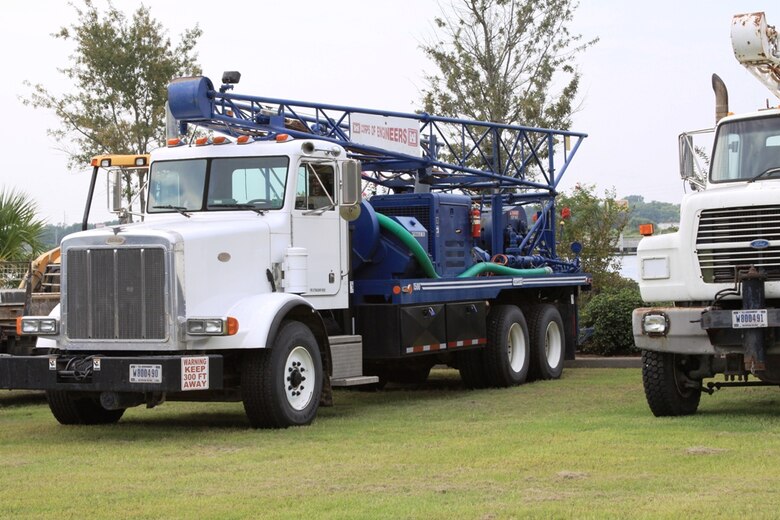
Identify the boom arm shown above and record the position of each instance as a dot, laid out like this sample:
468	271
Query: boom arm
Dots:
453	153
496	163
757	47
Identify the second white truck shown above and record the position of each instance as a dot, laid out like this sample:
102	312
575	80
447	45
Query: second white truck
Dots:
720	272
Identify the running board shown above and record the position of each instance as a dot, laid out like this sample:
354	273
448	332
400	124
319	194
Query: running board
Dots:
347	356
354	381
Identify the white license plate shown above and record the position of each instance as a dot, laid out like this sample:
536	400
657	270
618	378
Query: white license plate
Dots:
749	319
146	373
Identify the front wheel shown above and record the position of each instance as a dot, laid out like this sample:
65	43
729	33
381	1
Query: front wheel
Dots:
282	386
75	408
668	389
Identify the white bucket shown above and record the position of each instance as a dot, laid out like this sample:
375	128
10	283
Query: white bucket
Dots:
296	271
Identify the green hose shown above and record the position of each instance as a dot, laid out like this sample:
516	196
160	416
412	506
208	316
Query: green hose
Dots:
409	241
490	267
421	255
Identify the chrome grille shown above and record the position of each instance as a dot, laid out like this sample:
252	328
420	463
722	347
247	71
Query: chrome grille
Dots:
116	293
723	242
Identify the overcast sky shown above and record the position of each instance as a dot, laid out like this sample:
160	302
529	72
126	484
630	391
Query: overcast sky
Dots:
647	79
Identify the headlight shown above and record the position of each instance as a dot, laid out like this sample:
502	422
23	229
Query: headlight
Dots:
655	324
38	326
212	326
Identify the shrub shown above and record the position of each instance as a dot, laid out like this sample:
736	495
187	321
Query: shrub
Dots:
609	314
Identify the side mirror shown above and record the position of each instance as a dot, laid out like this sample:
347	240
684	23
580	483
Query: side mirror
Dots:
350	182
350	189
686	156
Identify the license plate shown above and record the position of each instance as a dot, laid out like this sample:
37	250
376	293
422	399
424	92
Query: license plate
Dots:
749	319
146	373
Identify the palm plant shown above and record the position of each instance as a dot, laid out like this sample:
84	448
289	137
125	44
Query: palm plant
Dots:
20	229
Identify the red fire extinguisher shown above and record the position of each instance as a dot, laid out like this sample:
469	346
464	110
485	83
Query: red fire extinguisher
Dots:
476	224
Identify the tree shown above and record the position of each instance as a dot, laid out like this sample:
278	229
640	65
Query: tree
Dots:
596	223
654	211
120	70
499	59
20	230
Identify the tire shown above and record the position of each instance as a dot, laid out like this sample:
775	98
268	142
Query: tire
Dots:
507	355
548	342
664	379
282	386
74	408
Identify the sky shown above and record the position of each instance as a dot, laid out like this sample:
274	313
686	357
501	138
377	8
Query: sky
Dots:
644	82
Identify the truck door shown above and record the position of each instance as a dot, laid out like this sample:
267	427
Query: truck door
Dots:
316	225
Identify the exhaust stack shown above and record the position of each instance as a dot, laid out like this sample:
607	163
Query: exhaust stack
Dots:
721	98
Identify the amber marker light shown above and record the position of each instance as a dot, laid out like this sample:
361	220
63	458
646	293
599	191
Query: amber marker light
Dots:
232	326
646	230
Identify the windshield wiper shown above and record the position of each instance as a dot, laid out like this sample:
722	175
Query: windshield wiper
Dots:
773	169
258	210
181	209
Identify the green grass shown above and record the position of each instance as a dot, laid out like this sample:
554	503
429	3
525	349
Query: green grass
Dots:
585	446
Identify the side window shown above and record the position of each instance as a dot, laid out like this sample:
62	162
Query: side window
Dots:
734	154
315	187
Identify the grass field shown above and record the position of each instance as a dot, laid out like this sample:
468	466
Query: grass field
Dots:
585	446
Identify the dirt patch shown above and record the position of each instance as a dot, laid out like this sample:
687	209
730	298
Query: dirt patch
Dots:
572	475
703	450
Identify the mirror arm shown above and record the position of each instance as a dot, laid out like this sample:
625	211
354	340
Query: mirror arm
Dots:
89	198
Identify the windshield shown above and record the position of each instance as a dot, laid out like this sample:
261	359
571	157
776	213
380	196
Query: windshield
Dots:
218	184
746	149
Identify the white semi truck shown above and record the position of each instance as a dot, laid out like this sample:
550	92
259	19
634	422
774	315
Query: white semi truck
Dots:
721	270
260	273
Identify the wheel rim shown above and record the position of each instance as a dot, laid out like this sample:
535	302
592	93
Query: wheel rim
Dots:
553	344
680	377
299	378
516	347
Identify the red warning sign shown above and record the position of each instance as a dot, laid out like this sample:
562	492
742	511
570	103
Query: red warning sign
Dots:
195	373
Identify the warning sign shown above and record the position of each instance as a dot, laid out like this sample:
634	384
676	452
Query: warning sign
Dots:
195	373
390	133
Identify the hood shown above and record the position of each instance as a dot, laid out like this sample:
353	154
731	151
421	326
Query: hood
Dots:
217	258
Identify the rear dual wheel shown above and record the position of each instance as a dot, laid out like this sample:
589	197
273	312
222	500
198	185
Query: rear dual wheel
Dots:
507	356
548	341
505	360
